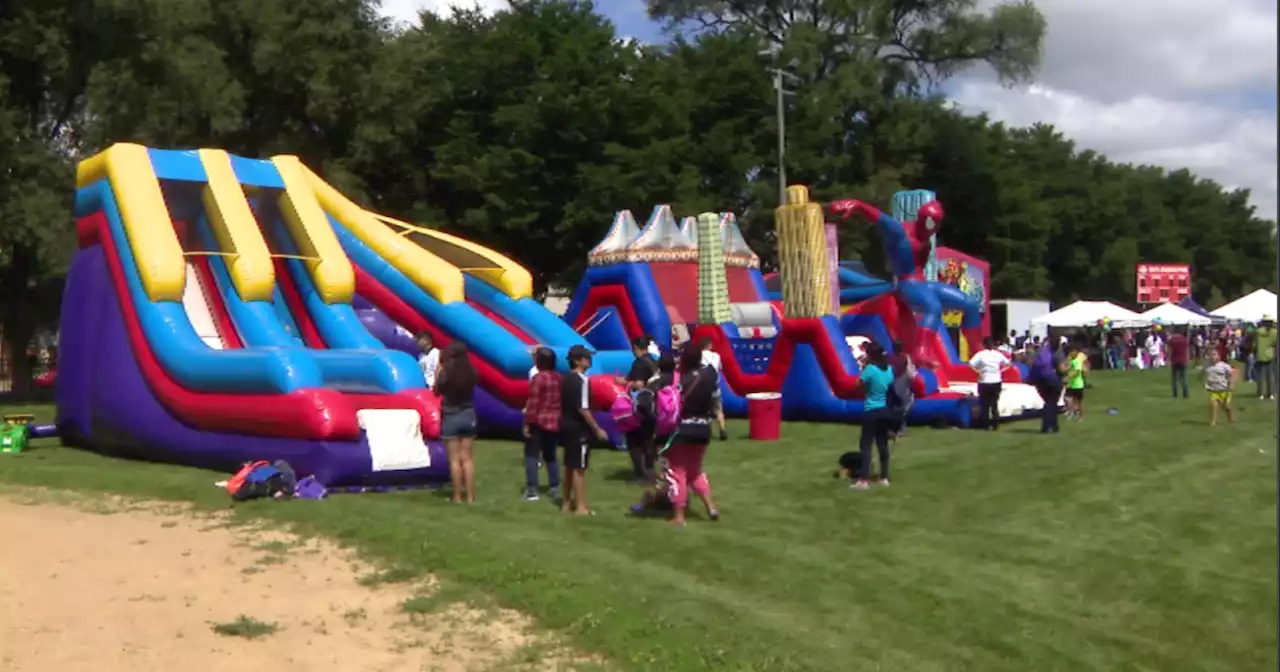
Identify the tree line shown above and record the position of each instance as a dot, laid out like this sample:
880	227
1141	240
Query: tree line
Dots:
525	130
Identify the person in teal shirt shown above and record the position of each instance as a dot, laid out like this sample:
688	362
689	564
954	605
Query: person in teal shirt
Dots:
877	419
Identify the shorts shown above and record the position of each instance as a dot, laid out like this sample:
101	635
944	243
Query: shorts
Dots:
577	452
1076	393
1220	397
458	424
717	406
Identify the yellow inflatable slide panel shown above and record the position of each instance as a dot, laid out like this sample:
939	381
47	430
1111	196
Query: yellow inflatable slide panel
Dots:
146	221
236	229
334	278
507	276
433	274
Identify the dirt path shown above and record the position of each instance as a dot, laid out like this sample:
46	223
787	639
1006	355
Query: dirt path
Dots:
108	585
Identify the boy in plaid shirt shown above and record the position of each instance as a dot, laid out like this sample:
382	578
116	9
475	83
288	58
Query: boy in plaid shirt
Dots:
542	423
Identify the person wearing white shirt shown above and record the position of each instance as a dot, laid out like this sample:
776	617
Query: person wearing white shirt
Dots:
653	349
429	360
989	364
712	359
1155	350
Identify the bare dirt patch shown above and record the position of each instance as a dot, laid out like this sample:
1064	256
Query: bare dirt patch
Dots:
108	585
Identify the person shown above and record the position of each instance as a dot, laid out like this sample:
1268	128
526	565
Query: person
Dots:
1046	373
1178	352
989	364
456	384
699	390
1017	341
712	359
1077	365
1264	358
429	360
640	440
651	346
876	378
1154	349
542	425
666	377
577	427
904	372
1219	380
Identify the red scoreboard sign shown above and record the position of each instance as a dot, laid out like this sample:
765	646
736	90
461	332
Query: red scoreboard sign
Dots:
1161	283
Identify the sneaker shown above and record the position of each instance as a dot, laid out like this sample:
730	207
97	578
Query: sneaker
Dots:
859	485
724	435
884	482
531	494
714	515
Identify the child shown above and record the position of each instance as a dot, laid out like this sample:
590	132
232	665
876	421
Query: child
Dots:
429	360
577	427
655	498
1077	364
542	424
1219	380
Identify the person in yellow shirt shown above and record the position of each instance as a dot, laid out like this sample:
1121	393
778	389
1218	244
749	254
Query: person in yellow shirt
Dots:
1077	365
1264	358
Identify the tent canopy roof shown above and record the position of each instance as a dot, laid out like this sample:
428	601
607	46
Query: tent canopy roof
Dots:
1254	307
1087	314
1169	313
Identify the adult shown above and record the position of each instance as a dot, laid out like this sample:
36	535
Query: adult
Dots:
1178	352
429	359
712	359
542	424
699	392
989	364
640	440
456	384
577	427
1264	357
904	372
1046	374
877	419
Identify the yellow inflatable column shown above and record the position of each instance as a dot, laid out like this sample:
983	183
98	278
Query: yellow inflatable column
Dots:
802	255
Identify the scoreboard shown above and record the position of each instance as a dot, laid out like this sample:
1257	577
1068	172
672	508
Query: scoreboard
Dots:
1163	283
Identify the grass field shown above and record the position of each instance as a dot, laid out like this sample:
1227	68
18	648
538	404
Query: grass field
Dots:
1137	541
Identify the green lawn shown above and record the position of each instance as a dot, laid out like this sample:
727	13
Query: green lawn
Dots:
1137	541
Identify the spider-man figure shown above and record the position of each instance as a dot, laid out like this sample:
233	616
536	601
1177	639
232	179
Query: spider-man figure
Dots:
906	247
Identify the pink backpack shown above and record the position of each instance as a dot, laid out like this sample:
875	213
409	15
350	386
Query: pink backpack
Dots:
624	413
667	403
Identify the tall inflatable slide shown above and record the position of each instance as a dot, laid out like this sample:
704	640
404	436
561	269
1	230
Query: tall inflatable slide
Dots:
220	310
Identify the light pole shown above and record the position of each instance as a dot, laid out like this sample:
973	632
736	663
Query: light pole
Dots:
780	76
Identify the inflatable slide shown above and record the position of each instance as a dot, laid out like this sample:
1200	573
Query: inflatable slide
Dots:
211	317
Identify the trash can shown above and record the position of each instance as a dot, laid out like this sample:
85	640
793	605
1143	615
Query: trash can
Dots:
764	415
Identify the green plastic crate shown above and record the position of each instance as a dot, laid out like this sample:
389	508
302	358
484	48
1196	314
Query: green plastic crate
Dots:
13	438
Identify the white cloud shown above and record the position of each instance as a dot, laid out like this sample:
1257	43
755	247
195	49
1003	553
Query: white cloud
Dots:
1175	83
407	10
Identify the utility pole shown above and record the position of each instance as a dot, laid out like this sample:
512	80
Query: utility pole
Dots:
780	77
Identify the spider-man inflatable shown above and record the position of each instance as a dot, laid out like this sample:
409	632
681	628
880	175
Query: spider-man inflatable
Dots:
906	248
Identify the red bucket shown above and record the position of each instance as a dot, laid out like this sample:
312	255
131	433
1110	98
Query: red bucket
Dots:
764	413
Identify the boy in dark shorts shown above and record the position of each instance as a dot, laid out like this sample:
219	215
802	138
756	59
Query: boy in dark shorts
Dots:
577	427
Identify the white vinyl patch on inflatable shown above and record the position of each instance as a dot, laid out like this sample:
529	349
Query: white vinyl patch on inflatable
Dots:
1015	398
395	439
196	304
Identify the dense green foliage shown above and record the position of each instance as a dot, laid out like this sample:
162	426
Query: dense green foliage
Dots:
527	129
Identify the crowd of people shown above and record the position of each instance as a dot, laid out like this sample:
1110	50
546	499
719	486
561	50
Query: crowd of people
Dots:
557	415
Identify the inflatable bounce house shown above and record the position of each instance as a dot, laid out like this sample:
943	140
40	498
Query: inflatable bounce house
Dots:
700	279
221	310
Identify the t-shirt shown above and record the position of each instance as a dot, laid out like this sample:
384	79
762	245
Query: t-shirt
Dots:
429	362
654	351
698	394
1266	345
989	364
1217	377
1153	345
1075	371
712	359
875	383
574	397
1179	350
533	372
456	395
642	369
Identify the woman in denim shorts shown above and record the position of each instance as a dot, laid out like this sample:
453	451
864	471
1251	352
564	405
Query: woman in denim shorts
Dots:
456	384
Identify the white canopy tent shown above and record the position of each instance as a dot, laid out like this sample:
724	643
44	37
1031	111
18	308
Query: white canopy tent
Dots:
1087	314
1251	308
1175	315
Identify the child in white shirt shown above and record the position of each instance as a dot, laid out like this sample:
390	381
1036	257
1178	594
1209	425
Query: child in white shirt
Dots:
429	360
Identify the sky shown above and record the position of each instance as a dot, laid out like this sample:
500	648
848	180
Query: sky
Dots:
1174	83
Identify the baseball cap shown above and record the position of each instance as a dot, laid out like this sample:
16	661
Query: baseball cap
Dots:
578	351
